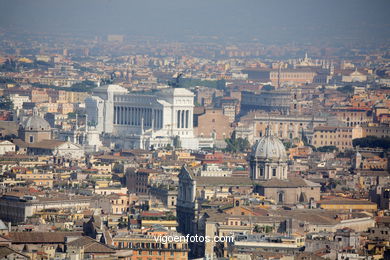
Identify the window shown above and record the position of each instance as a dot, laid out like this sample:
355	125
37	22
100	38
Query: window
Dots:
273	172
31	139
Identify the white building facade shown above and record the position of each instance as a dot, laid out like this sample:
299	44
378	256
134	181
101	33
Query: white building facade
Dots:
6	147
143	121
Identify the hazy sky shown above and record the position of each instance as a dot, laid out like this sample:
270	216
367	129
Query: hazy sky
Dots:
247	19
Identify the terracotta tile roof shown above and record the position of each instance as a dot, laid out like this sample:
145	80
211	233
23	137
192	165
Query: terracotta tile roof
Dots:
346	202
20	143
91	246
40	237
6	251
150	214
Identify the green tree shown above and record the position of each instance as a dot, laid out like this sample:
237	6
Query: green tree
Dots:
327	149
268	229
348	89
236	144
6	103
372	142
268	88
122	223
190	83
257	229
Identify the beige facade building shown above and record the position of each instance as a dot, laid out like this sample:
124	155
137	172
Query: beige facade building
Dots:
377	130
341	137
39	96
120	203
282	126
48	107
291	76
291	191
65	108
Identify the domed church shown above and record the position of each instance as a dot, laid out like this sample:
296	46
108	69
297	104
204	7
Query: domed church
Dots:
268	159
268	171
34	129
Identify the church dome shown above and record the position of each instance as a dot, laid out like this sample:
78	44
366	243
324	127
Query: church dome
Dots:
269	148
35	123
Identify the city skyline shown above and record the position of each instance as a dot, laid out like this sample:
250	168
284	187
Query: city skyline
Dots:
265	21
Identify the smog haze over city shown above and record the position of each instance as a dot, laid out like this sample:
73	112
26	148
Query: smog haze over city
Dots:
195	129
264	20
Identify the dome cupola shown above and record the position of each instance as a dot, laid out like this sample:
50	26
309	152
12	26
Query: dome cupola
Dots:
34	129
269	148
268	158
